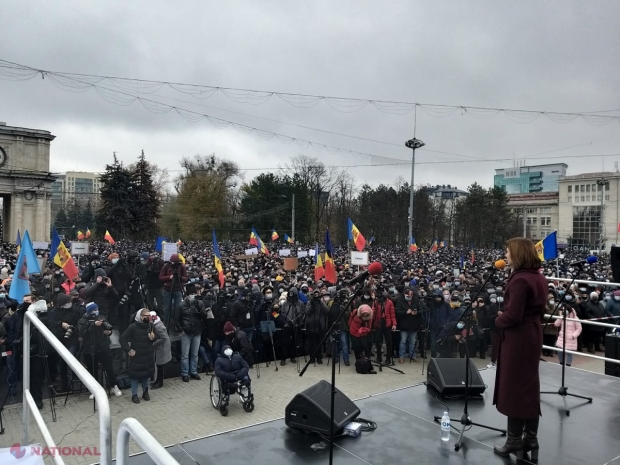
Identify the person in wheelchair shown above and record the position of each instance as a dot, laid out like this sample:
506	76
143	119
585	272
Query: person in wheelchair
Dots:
232	371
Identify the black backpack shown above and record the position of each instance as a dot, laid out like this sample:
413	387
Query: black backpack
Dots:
363	366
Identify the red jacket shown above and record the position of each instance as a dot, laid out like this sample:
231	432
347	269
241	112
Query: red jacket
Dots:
357	327
390	318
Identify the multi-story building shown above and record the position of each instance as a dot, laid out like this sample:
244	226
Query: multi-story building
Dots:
587	201
538	214
530	179
75	186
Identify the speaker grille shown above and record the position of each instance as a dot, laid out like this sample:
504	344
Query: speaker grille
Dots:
447	375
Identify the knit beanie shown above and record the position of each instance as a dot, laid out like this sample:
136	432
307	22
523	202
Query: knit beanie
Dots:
228	327
63	299
91	307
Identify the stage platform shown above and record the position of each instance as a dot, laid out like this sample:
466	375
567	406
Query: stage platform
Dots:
406	432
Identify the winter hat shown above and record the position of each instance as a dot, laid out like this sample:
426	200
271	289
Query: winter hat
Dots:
174	258
63	299
228	327
91	307
144	255
190	289
100	272
364	311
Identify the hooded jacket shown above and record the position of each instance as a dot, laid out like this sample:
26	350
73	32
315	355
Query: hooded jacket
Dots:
190	316
162	346
105	297
316	315
71	316
292	310
231	369
357	326
142	364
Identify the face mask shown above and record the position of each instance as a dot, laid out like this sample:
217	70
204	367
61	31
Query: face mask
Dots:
493	301
435	286
457	283
460	325
67	306
2	296
114	261
617	298
304	291
408	298
568	298
500	299
95	313
228	352
366	297
392	289
582	289
491	291
95	263
268	296
607	297
191	297
326	299
552	303
446	298
561	293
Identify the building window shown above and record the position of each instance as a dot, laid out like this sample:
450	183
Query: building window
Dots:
607	197
532	221
545	221
607	186
593	187
588	188
588	198
586	223
583	198
577	188
598	197
547	209
570	188
570	198
532	210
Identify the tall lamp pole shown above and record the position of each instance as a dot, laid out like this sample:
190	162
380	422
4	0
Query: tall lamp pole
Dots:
602	183
412	144
293	220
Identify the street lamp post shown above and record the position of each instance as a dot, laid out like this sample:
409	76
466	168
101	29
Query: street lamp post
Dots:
412	144
602	183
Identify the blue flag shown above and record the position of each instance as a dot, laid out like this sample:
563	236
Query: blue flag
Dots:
462	262
26	261
548	248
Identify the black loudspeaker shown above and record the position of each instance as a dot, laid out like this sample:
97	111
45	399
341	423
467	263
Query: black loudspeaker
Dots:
447	375
309	410
612	350
615	263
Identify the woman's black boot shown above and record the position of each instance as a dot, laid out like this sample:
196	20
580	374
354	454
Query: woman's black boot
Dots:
514	442
530	439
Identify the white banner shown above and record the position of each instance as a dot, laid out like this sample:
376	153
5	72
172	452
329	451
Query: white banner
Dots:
40	245
285	252
252	251
312	252
359	258
302	253
169	249
22	455
79	248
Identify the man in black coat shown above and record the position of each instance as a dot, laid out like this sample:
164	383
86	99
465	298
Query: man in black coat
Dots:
153	287
410	318
64	319
190	321
137	342
239	342
101	291
316	320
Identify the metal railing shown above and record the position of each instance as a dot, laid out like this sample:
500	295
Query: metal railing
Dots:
47	437
130	427
101	398
583	281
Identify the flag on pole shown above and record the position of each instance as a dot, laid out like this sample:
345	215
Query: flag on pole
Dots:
18	241
108	237
462	262
288	239
330	267
473	256
217	259
319	271
356	236
61	256
413	247
26	263
87	235
442	244
548	248
179	243
434	247
80	235
254	238
372	239
159	243
274	235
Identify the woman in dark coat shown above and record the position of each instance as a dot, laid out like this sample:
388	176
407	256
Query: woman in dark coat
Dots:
140	334
517	384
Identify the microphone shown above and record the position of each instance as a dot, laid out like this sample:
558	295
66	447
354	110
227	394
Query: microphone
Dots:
591	259
373	269
498	265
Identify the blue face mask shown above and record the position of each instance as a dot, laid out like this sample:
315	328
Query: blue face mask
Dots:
2	296
407	298
460	325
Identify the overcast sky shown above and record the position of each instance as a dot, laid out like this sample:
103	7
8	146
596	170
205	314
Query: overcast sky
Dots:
553	56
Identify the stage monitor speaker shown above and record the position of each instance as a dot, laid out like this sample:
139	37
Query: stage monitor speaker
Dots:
447	375
309	410
615	263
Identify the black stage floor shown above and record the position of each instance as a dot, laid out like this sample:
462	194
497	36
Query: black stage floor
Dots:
406	432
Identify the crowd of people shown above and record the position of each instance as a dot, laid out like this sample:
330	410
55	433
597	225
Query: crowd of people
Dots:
176	310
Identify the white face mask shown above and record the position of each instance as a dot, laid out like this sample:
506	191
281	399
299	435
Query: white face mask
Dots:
552	303
114	261
460	325
228	352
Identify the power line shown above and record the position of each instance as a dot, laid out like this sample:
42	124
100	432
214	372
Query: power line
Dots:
16	71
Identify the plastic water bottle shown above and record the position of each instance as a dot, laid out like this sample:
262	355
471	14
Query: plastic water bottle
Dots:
445	427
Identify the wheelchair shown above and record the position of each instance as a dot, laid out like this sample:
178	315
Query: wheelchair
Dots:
221	391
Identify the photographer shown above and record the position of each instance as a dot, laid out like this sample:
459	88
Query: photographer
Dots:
153	286
316	319
101	292
438	314
64	319
173	276
410	317
89	271
95	331
189	321
242	312
121	276
334	310
291	313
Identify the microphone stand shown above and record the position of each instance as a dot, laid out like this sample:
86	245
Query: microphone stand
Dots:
563	391
335	354
465	418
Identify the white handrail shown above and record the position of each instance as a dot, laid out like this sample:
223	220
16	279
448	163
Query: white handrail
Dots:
101	398
588	322
47	437
130	427
598	357
583	281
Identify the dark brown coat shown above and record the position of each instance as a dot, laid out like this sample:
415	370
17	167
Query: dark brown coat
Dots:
517	385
